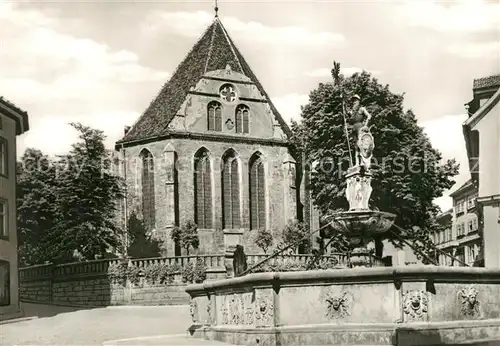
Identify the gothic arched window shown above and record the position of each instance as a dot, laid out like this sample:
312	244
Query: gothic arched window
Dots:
257	182
230	191
202	190
214	116
242	114
148	189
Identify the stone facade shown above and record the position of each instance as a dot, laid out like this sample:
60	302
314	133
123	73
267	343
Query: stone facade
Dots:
461	239
13	122
363	306
280	194
224	112
482	138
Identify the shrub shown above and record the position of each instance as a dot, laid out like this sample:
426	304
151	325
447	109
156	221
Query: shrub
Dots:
186	235
264	239
118	273
296	233
194	272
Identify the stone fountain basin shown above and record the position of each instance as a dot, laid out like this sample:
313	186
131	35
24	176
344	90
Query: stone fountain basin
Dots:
365	223
424	305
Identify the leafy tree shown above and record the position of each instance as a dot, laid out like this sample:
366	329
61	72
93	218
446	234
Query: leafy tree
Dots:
89	193
141	245
36	206
186	235
407	171
67	211
296	232
264	239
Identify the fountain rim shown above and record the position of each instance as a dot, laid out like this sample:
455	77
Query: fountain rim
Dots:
359	213
331	276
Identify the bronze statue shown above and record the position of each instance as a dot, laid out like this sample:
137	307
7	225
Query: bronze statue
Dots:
359	118
359	115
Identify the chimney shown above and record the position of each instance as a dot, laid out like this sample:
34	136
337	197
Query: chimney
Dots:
126	130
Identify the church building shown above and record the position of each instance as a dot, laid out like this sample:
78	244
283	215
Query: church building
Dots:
212	148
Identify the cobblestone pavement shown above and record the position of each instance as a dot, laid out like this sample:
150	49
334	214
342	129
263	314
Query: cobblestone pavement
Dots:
70	326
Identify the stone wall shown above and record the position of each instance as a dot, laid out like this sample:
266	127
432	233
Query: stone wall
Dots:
423	305
155	281
100	283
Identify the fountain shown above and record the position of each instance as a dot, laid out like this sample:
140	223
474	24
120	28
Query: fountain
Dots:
359	223
424	305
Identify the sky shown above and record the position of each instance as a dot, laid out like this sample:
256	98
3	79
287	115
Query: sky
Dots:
102	62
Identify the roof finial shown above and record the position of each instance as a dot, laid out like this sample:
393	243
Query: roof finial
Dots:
216	9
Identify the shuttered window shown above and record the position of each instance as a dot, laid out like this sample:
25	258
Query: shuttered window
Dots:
4	227
4	159
148	190
4	283
231	192
203	191
257	193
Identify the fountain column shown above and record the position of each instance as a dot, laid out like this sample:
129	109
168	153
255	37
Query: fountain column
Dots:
360	224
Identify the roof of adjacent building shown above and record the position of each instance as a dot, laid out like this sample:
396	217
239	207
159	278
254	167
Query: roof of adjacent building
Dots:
467	186
213	51
445	214
19	115
487	82
485	109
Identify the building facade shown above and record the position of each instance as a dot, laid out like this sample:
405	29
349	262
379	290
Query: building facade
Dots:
13	122
460	237
482	138
211	148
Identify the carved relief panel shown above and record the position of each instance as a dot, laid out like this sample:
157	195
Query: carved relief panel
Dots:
338	305
415	305
264	308
470	303
193	310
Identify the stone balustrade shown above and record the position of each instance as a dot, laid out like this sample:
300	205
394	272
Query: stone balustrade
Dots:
424	305
125	282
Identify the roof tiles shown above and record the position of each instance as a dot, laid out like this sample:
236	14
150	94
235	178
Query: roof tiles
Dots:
487	82
213	51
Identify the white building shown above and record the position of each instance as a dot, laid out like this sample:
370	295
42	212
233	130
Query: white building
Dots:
13	122
460	238
482	138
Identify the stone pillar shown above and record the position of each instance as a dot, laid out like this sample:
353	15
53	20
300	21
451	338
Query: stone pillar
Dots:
358	189
228	260
170	202
290	193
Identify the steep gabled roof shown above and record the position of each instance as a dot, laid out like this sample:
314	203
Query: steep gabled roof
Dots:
485	109
487	82
213	51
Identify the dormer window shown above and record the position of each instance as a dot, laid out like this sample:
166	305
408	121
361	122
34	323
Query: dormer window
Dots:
242	114
214	116
228	93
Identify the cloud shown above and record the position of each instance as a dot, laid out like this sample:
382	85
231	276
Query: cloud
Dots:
476	50
346	71
289	105
38	62
190	24
39	135
446	135
466	16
